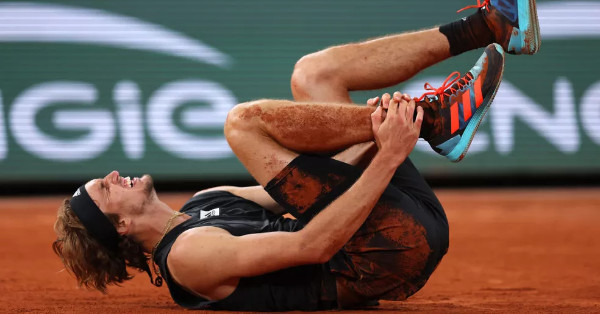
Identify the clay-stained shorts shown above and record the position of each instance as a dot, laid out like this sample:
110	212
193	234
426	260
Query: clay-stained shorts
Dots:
404	238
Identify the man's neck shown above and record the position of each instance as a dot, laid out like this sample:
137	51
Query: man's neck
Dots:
149	228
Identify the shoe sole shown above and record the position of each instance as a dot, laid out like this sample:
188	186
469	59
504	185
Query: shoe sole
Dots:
528	23
461	148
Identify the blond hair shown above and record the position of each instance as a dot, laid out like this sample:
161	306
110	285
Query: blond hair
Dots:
93	265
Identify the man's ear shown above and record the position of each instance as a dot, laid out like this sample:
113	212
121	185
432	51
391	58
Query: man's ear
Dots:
123	225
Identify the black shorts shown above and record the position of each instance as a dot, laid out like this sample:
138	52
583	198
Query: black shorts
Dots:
404	238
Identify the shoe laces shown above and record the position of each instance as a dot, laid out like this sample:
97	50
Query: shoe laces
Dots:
446	88
485	3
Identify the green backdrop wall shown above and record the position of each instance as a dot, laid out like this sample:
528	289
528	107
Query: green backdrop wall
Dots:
144	86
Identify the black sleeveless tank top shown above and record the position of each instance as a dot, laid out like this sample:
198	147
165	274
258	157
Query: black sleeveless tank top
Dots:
308	287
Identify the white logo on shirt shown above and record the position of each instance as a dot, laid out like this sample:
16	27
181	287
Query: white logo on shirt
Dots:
209	213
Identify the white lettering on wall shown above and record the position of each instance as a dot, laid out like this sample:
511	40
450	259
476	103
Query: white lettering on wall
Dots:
126	96
3	142
169	97
590	112
209	103
560	128
98	122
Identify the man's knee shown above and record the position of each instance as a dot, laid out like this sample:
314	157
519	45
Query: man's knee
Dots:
313	71
241	119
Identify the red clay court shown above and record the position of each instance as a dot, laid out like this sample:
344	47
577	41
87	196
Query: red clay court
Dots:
517	250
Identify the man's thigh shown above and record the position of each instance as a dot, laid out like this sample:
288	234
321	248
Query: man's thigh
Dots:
309	183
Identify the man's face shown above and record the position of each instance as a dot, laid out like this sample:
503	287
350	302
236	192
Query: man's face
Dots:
117	195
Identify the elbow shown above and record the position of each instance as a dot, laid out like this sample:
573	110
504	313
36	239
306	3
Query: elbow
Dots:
316	251
324	256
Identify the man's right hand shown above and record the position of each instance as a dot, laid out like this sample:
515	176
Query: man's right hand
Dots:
396	133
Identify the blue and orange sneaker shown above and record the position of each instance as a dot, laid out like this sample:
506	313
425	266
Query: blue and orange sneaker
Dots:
514	23
453	112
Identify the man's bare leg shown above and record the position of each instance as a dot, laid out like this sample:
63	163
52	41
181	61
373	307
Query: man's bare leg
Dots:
328	75
267	134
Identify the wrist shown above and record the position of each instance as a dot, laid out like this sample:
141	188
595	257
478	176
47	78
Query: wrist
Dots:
390	159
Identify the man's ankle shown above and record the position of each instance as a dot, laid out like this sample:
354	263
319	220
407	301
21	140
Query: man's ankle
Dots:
468	33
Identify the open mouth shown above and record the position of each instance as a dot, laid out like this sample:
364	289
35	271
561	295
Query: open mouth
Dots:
129	182
126	182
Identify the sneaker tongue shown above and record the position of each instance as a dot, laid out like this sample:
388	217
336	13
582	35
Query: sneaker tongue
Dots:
431	113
